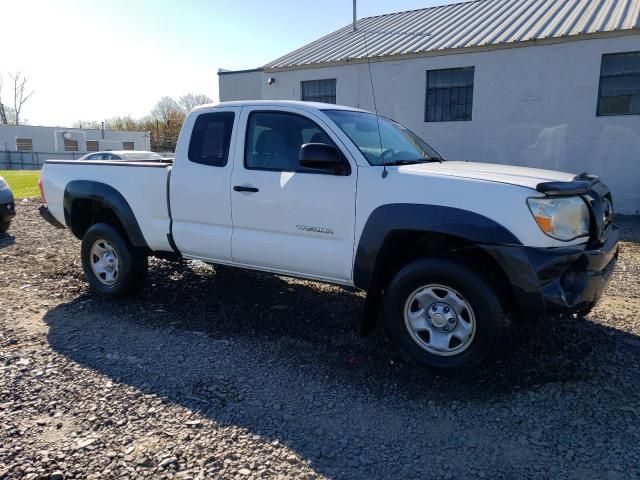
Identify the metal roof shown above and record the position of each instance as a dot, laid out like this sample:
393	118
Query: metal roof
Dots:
478	23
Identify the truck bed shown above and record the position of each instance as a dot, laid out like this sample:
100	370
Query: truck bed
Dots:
144	184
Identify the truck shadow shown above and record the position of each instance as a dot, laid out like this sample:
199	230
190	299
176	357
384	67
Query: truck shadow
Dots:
284	359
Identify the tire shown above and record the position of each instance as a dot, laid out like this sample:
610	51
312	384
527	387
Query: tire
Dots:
4	226
111	266
454	331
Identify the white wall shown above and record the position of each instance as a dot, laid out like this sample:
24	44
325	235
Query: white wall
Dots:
533	106
51	139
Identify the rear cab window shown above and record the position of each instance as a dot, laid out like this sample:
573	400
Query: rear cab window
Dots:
210	138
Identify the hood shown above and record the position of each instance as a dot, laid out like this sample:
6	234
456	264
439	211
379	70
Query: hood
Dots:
490	172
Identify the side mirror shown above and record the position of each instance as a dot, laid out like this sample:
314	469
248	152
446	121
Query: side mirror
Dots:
322	157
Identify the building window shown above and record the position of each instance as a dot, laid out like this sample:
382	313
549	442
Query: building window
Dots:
210	139
24	144
319	91
449	95
70	145
619	92
127	146
92	146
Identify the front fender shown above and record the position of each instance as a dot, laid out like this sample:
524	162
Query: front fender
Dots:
387	219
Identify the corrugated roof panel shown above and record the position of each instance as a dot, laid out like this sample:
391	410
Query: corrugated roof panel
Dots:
469	24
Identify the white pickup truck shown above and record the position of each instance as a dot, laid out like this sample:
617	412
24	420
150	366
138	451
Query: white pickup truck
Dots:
450	252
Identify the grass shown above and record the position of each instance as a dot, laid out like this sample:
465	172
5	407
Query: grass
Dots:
24	183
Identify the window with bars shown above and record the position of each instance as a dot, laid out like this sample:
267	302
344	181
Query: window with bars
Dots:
24	144
449	95
92	146
70	145
619	92
318	90
127	146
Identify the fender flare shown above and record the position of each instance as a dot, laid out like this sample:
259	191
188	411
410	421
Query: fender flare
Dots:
387	219
111	199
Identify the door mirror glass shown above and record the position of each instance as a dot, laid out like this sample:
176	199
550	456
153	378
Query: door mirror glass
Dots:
322	157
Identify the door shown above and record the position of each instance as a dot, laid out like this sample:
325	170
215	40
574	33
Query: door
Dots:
200	185
287	218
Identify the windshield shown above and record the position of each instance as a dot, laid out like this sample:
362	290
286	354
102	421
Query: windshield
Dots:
141	156
399	144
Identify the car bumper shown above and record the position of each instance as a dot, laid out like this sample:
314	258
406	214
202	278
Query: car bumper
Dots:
48	216
558	280
7	206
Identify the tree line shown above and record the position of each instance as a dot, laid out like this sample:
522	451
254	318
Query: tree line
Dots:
10	115
163	123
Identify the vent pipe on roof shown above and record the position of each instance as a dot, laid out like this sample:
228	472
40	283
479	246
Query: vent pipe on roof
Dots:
354	15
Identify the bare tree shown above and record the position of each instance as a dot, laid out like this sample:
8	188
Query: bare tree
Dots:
20	96
3	114
191	100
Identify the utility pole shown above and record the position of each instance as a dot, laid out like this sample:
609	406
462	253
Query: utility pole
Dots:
354	15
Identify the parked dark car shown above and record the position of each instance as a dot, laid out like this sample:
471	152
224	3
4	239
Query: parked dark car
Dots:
7	206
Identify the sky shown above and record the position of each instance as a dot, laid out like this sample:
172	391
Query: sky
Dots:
91	60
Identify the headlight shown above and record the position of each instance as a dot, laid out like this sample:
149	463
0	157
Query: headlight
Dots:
563	218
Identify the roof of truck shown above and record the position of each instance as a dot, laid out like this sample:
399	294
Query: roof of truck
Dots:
280	103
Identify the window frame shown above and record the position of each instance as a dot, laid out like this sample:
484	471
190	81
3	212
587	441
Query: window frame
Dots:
96	142
30	140
426	93
278	170
70	140
335	90
600	77
229	146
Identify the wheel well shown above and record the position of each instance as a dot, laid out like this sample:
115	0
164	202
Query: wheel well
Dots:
402	247
87	212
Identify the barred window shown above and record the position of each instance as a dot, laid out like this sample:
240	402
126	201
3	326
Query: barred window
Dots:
449	94
92	146
319	90
619	92
24	144
70	145
127	146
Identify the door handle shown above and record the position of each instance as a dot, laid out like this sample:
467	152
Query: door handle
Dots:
240	188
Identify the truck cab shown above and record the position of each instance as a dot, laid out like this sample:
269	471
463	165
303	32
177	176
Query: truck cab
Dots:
450	252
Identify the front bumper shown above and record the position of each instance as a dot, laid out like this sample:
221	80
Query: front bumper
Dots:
7	206
558	280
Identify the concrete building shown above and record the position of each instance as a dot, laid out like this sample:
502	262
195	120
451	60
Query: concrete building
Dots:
543	83
28	138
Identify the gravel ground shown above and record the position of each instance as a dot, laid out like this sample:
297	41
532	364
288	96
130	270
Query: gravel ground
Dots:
224	373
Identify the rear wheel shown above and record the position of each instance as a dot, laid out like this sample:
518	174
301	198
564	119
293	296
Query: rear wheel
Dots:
111	266
443	314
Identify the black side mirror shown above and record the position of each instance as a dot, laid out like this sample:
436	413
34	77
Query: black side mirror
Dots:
322	157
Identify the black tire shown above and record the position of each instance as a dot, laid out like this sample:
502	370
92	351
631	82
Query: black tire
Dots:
4	226
132	265
491	324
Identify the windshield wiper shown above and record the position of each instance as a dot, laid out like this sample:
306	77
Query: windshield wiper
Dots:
412	162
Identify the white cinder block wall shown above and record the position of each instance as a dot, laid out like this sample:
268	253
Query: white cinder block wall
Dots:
533	106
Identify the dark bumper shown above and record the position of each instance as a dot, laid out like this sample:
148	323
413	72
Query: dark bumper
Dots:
7	208
558	280
46	214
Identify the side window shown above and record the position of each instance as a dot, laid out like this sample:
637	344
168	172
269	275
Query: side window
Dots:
210	139
274	139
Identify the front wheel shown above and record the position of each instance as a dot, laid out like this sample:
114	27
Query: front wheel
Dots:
443	314
111	266
4	226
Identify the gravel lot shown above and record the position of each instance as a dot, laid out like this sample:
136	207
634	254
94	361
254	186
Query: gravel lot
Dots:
223	373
